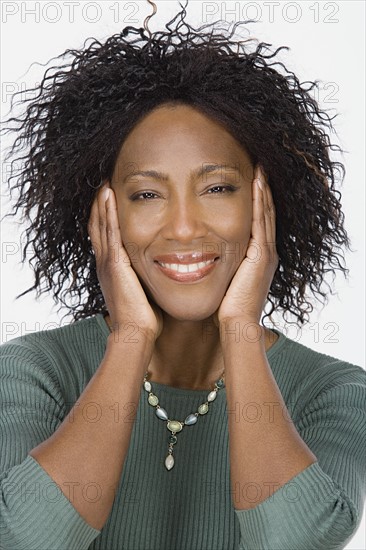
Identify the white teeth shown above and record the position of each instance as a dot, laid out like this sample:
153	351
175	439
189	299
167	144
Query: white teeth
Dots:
186	268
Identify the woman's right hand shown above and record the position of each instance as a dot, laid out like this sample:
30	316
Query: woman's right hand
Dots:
124	296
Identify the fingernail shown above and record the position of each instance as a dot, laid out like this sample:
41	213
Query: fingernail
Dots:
259	177
106	193
259	183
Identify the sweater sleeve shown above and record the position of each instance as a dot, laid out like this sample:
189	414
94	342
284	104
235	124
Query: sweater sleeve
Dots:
34	513
321	507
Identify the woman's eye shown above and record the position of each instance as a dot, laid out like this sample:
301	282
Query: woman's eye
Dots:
145	195
220	189
216	190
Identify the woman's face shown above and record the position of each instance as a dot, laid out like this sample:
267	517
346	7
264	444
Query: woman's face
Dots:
183	216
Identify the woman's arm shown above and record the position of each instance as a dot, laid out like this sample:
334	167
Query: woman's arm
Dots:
84	451
42	447
264	454
321	507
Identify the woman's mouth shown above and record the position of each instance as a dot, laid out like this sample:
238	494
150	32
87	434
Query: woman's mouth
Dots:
186	272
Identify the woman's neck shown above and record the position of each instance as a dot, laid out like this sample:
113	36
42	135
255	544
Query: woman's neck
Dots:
188	354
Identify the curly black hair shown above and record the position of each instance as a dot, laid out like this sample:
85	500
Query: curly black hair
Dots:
73	129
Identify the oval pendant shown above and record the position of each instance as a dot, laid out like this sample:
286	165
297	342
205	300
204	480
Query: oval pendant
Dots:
169	462
190	420
174	426
202	409
153	400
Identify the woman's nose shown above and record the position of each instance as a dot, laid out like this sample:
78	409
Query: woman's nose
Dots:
184	221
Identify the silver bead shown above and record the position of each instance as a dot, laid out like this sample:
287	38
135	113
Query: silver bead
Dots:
211	396
190	420
161	413
147	386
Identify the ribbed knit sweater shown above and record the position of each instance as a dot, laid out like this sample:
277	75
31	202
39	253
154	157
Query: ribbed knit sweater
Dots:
192	506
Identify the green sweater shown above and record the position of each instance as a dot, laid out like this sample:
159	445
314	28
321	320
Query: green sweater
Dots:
192	506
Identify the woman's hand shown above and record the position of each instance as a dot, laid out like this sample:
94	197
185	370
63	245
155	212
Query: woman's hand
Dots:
248	290
124	296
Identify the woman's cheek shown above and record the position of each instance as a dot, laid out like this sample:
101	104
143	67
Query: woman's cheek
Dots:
127	225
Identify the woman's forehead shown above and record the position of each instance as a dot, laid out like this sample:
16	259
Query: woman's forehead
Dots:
181	131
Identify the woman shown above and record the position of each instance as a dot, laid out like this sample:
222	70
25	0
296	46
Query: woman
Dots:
166	414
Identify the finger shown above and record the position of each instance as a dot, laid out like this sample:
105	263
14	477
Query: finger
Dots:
271	209
113	231
266	206
102	218
270	216
93	227
259	222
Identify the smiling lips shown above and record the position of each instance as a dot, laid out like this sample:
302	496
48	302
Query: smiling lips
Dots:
186	267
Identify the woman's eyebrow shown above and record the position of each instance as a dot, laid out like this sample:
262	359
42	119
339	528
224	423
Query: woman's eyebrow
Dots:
195	174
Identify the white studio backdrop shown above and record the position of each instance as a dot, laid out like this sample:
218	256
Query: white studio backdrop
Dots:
326	41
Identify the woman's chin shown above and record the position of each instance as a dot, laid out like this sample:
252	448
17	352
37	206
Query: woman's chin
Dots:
184	313
188	306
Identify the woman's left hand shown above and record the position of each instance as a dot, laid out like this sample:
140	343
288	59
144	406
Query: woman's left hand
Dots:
247	293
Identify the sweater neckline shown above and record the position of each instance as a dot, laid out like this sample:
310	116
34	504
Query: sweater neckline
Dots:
274	350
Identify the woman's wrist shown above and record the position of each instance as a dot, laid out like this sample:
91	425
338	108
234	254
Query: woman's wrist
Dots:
239	329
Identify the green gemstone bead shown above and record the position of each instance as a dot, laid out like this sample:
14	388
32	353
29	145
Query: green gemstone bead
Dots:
153	400
174	426
220	383
172	439
203	409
